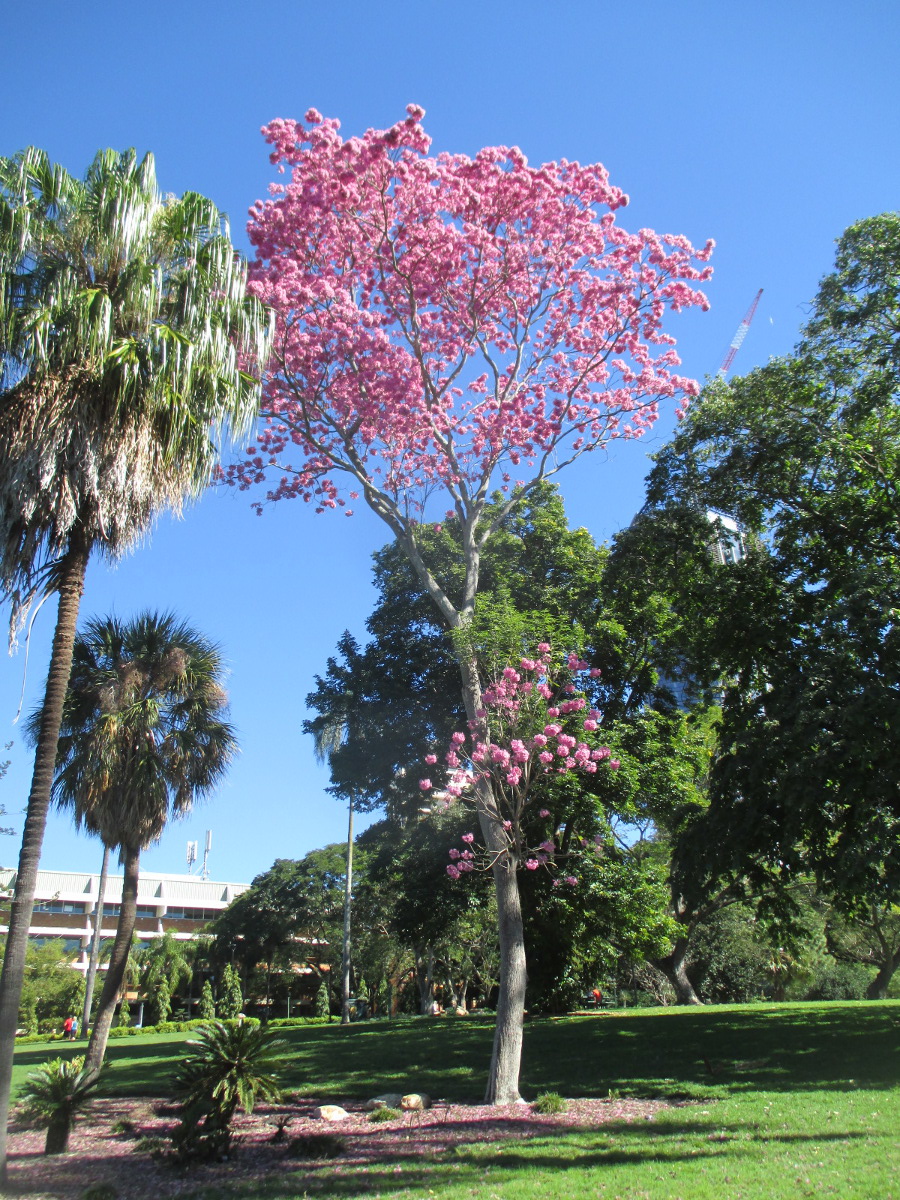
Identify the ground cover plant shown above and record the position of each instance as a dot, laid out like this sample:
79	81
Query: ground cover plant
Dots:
745	1101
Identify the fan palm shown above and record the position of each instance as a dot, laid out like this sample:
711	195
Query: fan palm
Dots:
126	340
142	737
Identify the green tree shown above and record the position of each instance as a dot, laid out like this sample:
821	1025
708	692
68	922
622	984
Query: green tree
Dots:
230	1003
126	339
165	969
805	453
206	1010
143	737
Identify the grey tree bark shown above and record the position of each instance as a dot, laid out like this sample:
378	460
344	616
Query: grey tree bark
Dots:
118	962
71	588
348	895
94	959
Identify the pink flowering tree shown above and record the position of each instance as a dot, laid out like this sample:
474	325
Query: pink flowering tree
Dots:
535	725
446	326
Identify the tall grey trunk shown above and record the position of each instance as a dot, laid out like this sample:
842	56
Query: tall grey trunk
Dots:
118	962
424	978
70	591
506	1056
348	895
674	967
96	939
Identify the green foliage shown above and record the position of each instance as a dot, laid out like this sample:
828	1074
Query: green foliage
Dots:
125	332
549	1103
51	990
323	1003
839	981
52	1097
99	1191
124	1014
231	999
378	1116
804	454
230	1066
162	1002
731	961
206	1009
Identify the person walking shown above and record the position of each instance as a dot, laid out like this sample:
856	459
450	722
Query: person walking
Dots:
73	1032
67	1027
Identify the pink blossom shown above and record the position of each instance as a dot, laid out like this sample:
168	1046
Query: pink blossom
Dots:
571	880
543	647
545	756
431	759
425	784
453	871
590	725
468	838
548	847
454	853
458	738
545	812
531	864
614	764
465	865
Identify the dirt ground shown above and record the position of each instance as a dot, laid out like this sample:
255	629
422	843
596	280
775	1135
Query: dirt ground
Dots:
97	1155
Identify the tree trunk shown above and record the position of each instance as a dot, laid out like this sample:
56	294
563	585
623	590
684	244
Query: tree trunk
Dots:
878	988
118	962
424	979
503	1080
71	588
58	1135
348	895
673	966
506	1057
94	959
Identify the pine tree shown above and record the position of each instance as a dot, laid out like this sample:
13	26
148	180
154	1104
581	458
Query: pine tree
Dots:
323	1004
231	998
206	1010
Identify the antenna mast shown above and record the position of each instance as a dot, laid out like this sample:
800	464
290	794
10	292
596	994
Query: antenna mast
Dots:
738	338
204	873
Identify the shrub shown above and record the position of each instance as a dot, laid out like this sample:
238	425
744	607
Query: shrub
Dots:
100	1191
317	1145
378	1115
124	1127
230	1067
290	1022
549	1103
52	1097
840	981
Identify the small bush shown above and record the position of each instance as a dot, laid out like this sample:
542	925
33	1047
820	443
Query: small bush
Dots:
384	1114
100	1191
317	1145
150	1145
120	1031
549	1103
290	1022
124	1127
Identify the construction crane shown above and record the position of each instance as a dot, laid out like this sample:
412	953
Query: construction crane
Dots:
738	337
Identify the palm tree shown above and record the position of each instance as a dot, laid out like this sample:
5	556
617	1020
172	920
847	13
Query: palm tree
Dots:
142	737
53	1095
126	341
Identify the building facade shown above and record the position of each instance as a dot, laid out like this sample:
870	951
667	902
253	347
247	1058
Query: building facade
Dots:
66	907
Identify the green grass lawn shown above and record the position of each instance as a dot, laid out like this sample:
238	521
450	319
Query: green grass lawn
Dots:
783	1101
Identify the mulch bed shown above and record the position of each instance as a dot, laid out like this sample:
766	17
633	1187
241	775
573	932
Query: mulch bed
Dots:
97	1155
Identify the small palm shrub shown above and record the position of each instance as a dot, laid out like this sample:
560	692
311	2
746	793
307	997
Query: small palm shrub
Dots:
231	1066
53	1096
550	1103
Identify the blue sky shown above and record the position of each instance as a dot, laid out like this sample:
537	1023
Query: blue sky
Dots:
767	126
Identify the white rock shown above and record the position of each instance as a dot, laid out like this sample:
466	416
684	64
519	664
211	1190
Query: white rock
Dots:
388	1100
415	1102
331	1112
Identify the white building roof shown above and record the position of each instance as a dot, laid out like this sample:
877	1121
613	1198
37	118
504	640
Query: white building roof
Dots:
153	888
